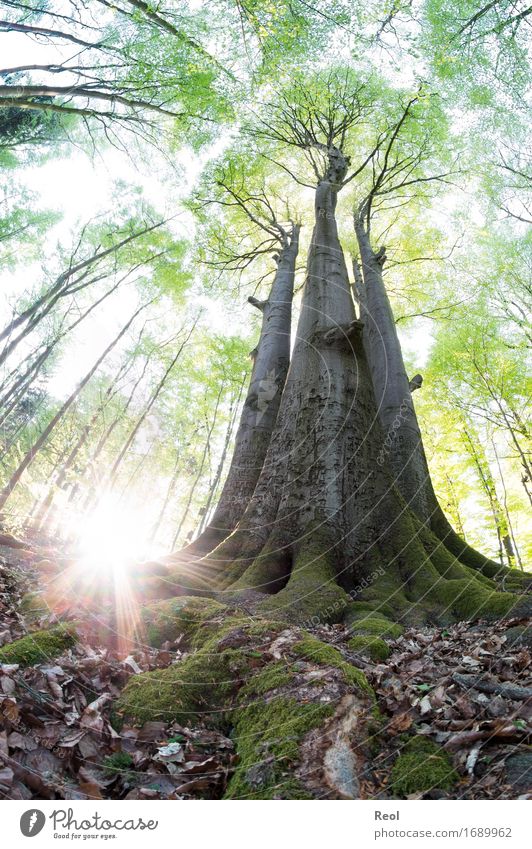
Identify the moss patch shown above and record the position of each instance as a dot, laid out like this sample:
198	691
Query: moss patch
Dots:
39	646
167	620
267	737
117	763
423	766
312	596
320	653
200	686
269	678
468	599
378	628
358	610
376	648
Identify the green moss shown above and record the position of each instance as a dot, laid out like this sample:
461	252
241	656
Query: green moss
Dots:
168	619
312	595
320	653
269	678
39	646
211	635
206	681
199	687
385	596
117	763
378	628
469	599
518	582
363	609
423	766
376	648
267	738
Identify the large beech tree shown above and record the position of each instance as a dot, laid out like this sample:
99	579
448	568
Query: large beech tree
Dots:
337	504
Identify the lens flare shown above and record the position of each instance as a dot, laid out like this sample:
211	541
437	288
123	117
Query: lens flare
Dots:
113	537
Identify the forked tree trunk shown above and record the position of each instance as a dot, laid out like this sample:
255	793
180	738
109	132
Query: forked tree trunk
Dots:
403	445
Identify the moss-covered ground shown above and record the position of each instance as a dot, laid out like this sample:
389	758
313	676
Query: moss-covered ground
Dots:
422	766
39	646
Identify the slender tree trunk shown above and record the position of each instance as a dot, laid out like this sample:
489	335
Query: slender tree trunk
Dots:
92	462
454	506
24	379
86	431
259	414
513	544
38	444
199	474
213	488
478	455
168	496
140	421
63	285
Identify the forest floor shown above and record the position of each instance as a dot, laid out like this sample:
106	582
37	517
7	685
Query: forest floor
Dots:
467	688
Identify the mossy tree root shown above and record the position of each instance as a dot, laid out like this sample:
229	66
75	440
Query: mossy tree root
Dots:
263	683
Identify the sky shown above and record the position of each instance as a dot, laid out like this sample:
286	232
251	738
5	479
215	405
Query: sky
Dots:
81	187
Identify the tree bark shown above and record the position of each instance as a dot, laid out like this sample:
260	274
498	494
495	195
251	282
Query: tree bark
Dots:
326	524
259	414
402	442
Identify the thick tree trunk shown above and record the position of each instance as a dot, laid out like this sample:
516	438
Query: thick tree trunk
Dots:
326	524
402	442
259	414
322	505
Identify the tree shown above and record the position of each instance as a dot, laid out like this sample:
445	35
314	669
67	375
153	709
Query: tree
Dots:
125	77
326	512
270	357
